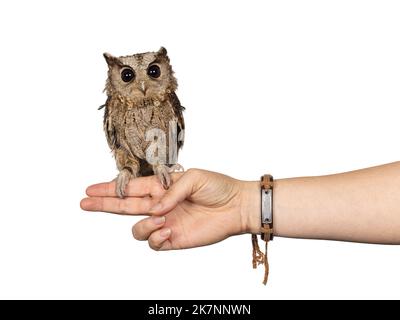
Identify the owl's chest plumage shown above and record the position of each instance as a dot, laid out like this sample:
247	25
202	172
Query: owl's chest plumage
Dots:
131	122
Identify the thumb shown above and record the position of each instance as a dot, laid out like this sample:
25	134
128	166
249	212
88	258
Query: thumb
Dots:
178	192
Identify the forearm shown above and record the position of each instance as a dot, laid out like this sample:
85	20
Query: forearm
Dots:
361	206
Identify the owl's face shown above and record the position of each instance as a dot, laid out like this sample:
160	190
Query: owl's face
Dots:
142	76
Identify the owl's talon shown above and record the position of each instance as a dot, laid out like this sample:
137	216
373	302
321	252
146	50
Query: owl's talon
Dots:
165	181
176	168
130	114
122	181
162	172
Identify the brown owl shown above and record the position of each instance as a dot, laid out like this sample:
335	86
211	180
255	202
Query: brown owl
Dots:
143	119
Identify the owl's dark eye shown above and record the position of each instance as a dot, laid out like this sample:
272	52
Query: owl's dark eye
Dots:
154	71
127	75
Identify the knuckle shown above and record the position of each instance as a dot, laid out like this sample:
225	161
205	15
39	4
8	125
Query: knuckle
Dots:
123	206
109	189
100	205
194	172
139	231
136	232
191	171
145	205
153	246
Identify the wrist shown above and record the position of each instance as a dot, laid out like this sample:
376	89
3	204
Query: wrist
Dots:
251	207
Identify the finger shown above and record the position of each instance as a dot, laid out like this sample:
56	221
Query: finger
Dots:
179	191
144	228
159	240
138	187
127	206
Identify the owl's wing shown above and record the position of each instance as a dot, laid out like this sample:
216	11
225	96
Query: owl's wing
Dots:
178	110
129	136
109	128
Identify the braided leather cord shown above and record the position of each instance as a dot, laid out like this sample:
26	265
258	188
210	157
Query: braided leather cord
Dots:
266	234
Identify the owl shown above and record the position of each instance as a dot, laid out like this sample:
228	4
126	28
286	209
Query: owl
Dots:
143	119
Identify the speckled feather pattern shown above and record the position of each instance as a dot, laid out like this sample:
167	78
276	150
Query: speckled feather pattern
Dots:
126	124
130	112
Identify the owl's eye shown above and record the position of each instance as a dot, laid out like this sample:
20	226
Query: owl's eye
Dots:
127	75
154	71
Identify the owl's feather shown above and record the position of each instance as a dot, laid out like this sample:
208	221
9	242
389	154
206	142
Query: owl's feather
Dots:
178	110
137	104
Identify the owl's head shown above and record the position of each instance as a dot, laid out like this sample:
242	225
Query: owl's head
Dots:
142	76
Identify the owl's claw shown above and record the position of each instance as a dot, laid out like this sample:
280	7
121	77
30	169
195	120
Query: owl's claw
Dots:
176	168
122	181
162	172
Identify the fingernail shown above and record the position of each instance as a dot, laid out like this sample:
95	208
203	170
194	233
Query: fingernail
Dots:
165	233
156	208
158	220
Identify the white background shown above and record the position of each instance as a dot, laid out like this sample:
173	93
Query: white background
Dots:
291	88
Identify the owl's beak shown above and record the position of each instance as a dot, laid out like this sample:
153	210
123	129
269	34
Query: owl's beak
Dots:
143	88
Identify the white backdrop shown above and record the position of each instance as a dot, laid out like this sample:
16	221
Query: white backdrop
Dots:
290	88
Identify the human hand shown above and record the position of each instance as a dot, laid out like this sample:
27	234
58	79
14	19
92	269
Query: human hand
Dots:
200	208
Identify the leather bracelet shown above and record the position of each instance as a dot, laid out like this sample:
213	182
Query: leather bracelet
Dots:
266	225
267	183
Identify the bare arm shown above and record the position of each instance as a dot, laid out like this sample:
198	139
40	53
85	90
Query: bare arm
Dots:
204	207
361	206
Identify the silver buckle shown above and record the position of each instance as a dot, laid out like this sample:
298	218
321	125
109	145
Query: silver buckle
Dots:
266	206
